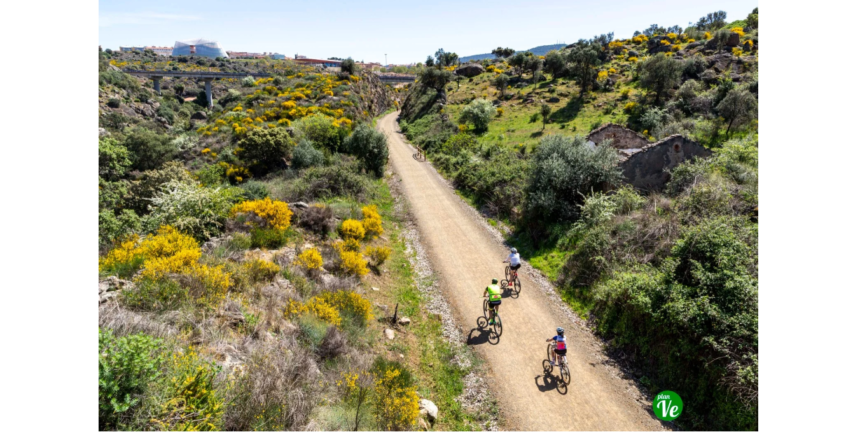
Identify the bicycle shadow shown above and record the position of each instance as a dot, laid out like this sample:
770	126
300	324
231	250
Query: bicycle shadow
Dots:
550	381
508	291
484	334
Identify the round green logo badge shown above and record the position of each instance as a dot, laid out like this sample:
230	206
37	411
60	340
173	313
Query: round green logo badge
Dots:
667	405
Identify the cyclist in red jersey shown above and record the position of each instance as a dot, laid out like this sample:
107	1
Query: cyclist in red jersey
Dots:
560	345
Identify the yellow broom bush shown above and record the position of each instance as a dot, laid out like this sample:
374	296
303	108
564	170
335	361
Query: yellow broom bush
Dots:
352	229
310	259
378	254
276	213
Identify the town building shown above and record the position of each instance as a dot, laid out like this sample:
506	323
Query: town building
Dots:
313	62
198	47
164	51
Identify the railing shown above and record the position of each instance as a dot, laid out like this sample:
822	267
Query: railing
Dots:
163	73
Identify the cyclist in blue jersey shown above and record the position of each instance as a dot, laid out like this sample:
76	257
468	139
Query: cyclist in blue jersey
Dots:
560	345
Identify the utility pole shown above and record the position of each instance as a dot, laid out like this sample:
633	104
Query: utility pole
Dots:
386	60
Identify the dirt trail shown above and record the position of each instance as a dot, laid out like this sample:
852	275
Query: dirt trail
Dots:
466	257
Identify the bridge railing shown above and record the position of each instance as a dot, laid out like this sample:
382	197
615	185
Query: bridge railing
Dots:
163	73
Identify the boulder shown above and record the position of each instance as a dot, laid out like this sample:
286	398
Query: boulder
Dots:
554	99
692	45
199	115
429	409
734	40
632	53
299	204
404	321
469	70
655	45
103	132
114	283
389	334
423	424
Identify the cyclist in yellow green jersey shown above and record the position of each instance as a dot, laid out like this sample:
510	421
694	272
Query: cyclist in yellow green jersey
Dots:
494	300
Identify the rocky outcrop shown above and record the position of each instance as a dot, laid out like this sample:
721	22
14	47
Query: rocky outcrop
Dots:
470	70
111	287
428	409
656	45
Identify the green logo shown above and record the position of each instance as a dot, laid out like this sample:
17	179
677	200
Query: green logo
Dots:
668	405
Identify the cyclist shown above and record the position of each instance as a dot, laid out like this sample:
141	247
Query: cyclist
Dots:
514	259
494	294
560	345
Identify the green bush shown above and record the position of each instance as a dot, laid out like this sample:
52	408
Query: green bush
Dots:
254	190
165	111
305	155
370	147
265	149
268	238
479	112
114	103
211	175
249	81
319	129
496	183
126	367
348	66
331	181
194	210
563	170
659	74
114	159
150	183
113	226
148	148
118	79
155	295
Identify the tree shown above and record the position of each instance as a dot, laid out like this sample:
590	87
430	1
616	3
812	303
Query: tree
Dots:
429	62
479	113
371	148
584	58
435	78
555	63
563	170
501	83
660	73
114	159
712	20
445	59
545	111
149	149
534	64
752	19
738	108
348	66
265	149
503	52
721	37
518	61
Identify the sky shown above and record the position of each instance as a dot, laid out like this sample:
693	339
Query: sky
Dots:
407	31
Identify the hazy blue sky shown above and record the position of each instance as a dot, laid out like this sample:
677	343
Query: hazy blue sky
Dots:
407	31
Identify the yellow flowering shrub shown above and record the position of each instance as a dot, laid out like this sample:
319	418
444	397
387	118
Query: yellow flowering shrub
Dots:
602	76
372	221
323	311
261	270
348	301
738	30
310	259
629	106
676	48
396	406
665	42
640	39
672	36
193	403
499	111
707	35
351	229
612	70
633	59
378	254
276	213
352	263
737	51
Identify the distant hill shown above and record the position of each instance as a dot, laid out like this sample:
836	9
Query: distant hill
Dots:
540	50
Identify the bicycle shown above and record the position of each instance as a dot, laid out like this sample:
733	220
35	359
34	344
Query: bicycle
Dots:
513	279
497	324
564	370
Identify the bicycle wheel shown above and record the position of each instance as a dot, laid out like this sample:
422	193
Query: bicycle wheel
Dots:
508	273
504	285
486	311
517	286
565	372
497	325
549	352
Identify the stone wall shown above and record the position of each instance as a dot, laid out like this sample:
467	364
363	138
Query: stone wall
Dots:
646	169
620	137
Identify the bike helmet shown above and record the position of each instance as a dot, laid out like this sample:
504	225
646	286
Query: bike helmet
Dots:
560	331
513	250
495	281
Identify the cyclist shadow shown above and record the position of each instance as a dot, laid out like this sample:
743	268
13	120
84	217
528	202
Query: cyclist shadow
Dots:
484	334
547	381
508	291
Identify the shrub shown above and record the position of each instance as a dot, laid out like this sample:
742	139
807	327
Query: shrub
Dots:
351	229
268	238
349	302
192	401
273	214
317	218
152	182
310	259
378	254
370	147
331	181
317	307
321	130
352	263
348	66
149	149
198	211
126	367
265	149
249	81
334	344
371	221
479	112
563	169
113	103
395	399
113	226
155	295
254	190
261	270
305	155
